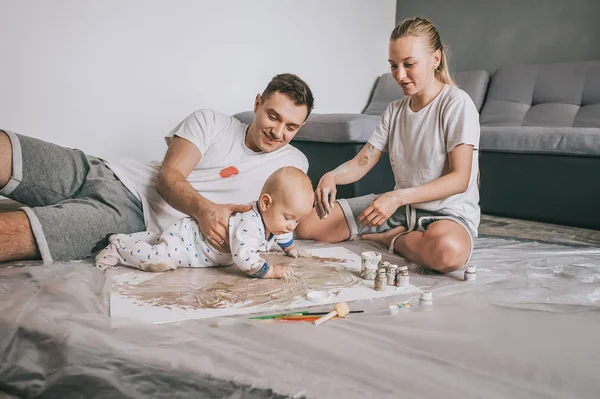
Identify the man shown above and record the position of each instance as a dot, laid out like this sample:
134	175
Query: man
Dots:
73	200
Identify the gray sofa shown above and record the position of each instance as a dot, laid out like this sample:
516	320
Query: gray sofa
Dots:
540	141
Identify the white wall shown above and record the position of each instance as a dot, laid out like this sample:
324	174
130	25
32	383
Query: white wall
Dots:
113	77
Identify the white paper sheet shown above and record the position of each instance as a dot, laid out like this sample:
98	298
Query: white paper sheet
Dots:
127	306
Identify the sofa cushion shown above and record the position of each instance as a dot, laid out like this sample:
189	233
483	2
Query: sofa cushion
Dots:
541	140
387	90
560	95
245	117
338	128
330	128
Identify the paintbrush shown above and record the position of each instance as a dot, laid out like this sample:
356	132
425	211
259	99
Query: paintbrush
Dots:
322	313
286	320
274	316
305	313
296	317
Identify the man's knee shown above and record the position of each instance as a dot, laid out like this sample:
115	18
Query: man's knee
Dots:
17	241
447	254
5	159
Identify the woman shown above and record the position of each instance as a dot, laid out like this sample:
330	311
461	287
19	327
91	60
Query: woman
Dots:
432	135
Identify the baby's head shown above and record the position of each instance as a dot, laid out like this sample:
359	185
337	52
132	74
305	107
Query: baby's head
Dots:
285	199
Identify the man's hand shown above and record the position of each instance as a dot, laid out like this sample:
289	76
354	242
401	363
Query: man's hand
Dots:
213	220
381	209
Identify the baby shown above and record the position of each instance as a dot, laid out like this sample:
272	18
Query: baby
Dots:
286	197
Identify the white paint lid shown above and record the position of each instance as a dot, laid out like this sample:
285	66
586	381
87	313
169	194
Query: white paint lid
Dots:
319	296
370	255
426	295
471	269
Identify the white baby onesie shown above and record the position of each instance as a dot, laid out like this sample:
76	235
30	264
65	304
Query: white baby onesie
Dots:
183	245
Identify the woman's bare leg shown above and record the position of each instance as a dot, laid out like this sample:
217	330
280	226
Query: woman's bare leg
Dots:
445	245
333	229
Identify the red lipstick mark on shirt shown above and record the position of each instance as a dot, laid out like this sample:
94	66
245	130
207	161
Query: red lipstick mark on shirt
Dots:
228	172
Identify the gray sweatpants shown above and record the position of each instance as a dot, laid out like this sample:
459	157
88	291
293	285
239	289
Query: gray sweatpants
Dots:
73	201
408	216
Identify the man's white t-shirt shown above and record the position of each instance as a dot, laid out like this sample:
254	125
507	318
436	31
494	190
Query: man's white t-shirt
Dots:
419	142
228	172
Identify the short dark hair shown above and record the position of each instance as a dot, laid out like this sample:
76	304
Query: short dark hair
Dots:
293	87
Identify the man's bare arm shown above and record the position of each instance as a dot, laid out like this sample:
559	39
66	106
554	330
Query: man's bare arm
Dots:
172	184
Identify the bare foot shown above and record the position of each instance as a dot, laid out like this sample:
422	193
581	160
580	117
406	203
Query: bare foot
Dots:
384	238
108	257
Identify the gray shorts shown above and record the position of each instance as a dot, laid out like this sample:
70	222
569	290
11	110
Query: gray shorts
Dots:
73	200
407	216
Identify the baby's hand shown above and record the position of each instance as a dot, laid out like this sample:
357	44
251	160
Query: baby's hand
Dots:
280	272
299	253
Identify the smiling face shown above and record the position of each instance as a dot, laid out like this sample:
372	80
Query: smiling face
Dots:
276	122
412	64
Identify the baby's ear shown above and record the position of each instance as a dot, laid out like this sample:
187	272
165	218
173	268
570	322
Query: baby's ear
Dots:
265	201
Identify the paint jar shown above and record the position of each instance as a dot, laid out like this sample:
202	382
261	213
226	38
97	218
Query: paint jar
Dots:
470	273
402	279
426	298
369	262
380	280
391	274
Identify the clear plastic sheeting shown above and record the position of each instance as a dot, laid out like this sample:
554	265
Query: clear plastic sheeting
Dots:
527	327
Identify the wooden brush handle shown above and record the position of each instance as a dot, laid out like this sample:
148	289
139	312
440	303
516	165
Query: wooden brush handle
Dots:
328	316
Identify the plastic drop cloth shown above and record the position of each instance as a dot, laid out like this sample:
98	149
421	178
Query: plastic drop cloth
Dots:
528	327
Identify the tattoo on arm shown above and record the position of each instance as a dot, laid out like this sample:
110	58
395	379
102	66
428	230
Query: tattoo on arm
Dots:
366	155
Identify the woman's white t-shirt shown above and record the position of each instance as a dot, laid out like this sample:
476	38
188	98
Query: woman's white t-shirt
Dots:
419	142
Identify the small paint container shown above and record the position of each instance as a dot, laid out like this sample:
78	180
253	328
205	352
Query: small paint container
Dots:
470	273
426	298
380	282
383	264
369	262
396	308
402	279
391	274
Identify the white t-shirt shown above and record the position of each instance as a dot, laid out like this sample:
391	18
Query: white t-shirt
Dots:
221	140
419	142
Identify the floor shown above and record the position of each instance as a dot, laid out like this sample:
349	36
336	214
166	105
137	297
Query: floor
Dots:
503	227
543	232
524	328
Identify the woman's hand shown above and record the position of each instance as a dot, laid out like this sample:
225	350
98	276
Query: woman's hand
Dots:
325	195
381	209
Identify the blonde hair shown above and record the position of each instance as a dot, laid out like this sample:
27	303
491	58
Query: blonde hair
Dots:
423	28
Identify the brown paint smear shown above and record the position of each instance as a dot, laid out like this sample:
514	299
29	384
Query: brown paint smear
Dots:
221	287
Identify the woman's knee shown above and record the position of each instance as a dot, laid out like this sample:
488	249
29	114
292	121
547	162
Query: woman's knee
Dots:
447	253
